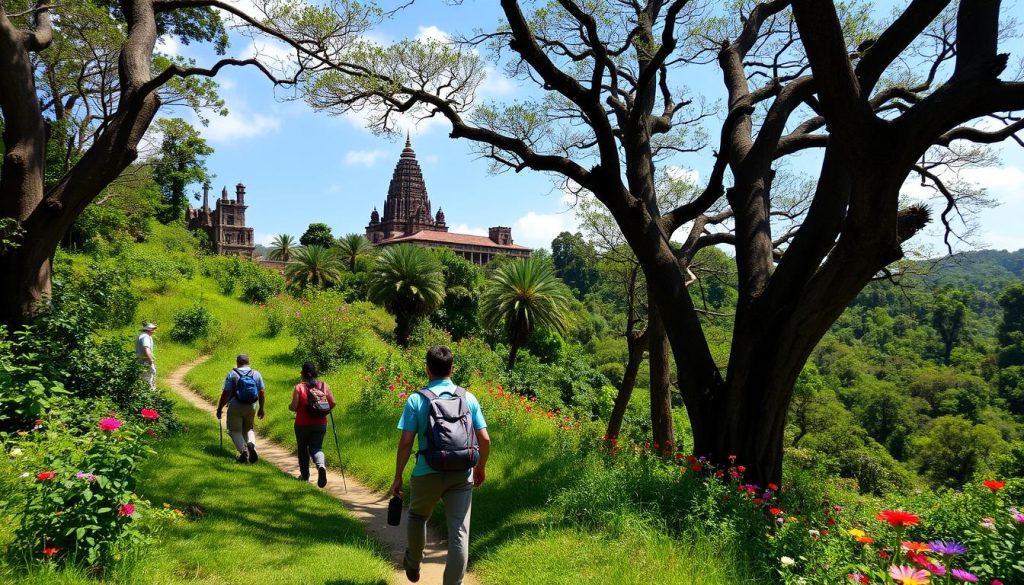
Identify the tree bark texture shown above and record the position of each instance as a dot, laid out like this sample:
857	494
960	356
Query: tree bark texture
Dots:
635	345
662	429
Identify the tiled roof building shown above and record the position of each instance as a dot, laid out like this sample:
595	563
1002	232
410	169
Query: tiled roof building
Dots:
408	219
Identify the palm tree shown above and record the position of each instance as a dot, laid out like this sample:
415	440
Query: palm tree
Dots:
407	281
314	265
351	247
282	247
522	296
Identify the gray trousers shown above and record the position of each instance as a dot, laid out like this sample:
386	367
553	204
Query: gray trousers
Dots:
239	422
455	489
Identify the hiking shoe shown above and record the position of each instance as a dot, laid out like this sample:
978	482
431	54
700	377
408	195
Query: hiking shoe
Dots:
252	452
413	575
242	458
321	476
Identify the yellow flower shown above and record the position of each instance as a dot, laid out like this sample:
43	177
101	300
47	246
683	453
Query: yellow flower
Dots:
22	433
856	532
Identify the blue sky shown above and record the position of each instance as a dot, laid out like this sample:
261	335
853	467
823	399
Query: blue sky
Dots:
300	166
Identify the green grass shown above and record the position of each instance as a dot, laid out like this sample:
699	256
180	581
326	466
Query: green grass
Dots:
516	537
259	527
262	527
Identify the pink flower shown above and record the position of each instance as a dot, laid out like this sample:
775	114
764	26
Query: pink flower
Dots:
908	575
963	575
109	424
150	414
151	433
403	395
126	510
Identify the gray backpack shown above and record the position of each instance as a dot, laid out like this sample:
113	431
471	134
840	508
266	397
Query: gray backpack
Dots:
451	439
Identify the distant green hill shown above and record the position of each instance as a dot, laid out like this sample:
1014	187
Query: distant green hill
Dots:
985	270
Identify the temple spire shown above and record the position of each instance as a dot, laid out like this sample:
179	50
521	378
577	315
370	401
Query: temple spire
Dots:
408	142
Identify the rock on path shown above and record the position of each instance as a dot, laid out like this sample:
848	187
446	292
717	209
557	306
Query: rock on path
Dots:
368	506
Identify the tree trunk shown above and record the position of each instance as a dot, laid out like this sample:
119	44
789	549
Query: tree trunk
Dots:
663	433
403	329
512	352
635	344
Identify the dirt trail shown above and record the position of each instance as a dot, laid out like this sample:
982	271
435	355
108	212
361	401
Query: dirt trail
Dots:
368	506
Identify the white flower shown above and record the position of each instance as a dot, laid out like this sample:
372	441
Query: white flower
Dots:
787	561
814	533
16	452
24	475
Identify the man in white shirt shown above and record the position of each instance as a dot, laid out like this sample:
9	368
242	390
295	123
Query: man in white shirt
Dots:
144	351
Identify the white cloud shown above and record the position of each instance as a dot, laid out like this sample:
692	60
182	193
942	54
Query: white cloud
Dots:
263	239
536	230
366	158
496	84
279	58
677	173
168	45
432	33
466	229
1006	180
239	123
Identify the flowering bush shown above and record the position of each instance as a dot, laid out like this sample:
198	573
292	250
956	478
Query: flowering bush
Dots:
331	332
389	382
274	313
74	493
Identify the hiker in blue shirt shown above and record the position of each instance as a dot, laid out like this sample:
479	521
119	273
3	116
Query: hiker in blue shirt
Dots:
429	485
243	389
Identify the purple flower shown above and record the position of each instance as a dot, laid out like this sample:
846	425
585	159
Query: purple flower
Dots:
964	575
85	476
947	547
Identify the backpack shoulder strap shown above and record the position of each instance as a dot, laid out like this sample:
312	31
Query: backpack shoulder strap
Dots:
430	396
460	392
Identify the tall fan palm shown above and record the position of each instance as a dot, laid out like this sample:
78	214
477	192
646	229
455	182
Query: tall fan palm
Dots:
407	281
314	265
522	296
282	247
351	247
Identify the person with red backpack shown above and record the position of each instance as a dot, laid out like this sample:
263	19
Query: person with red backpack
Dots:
312	402
449	426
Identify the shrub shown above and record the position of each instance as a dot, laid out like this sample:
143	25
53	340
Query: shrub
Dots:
331	332
192	323
274	313
259	285
75	500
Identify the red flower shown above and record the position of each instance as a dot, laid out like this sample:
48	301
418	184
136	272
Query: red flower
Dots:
993	485
898	518
719	473
883	554
740	468
858	578
50	550
773	487
865	539
150	414
775	511
46	475
126	510
679	456
695	467
151	433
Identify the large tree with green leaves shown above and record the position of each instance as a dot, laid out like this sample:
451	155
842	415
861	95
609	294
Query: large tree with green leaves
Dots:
875	98
407	281
317	234
181	162
575	262
521	297
90	80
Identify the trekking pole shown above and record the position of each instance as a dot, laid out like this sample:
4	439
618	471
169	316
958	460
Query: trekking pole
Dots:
220	426
338	447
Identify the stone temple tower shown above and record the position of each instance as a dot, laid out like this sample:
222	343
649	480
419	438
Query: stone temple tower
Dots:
407	207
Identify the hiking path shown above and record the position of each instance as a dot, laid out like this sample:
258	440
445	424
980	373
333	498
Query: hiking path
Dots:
369	506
